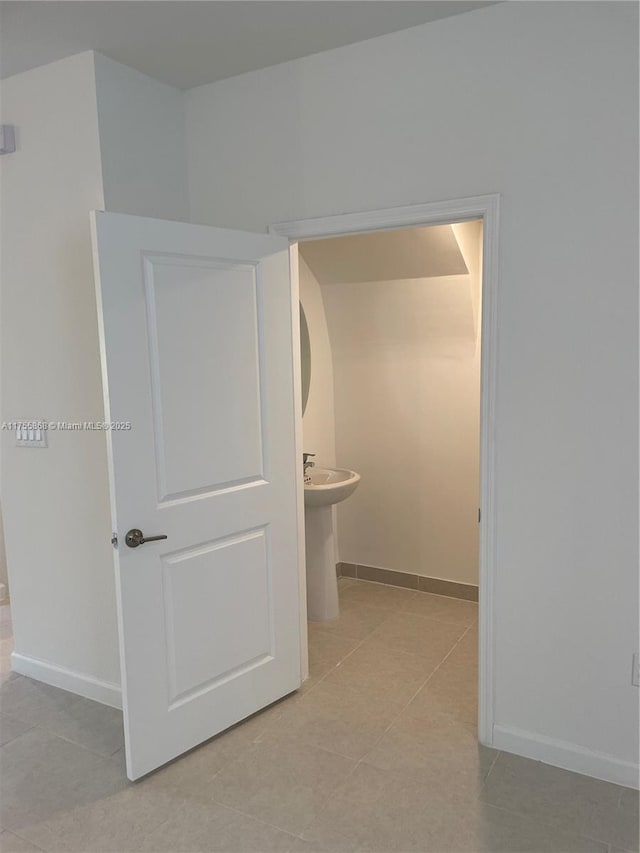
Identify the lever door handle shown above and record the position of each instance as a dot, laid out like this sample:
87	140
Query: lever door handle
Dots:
136	537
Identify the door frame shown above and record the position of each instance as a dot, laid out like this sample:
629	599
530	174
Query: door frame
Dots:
487	208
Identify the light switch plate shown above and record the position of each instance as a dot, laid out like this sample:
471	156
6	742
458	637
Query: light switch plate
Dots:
31	434
7	139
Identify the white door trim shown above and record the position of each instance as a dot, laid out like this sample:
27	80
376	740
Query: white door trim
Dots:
487	208
297	401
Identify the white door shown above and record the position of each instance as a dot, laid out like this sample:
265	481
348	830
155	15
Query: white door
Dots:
196	345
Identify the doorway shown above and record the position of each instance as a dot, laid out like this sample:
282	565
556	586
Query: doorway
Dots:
484	209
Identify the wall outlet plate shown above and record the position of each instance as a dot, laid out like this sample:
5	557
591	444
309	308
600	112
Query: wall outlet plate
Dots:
635	672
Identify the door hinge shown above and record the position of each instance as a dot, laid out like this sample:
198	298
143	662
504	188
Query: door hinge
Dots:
114	540
479	515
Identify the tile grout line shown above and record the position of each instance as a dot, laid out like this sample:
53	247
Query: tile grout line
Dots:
399	651
420	688
607	844
348	655
359	761
41	727
396	651
250	742
22	838
493	764
294	835
230	808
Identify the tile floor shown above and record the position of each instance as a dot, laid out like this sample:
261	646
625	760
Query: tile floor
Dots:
377	752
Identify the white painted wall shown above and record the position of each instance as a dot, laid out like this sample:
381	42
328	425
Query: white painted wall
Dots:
407	396
91	133
55	501
318	422
539	102
142	143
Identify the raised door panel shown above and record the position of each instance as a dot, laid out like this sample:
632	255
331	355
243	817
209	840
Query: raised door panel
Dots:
204	354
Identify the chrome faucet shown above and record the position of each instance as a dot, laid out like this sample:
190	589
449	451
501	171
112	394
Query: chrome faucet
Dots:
306	463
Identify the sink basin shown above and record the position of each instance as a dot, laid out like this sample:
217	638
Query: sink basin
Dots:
329	486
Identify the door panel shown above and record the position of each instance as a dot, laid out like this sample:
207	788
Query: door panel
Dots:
219	589
201	315
196	345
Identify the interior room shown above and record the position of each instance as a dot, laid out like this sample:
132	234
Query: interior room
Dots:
377	588
390	331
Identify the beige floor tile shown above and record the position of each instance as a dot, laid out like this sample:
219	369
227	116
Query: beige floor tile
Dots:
301	845
326	650
282	783
6	645
318	838
356	621
6	648
11	728
118	822
486	829
191	776
194	827
90	724
465	653
33	701
291	770
626	829
10	843
377	595
453	690
254	726
44	775
6	675
338	719
381	811
389	678
325	645
579	804
442	609
418	635
436	749
384	812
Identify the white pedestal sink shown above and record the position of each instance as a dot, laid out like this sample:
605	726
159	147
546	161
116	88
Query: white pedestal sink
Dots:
323	488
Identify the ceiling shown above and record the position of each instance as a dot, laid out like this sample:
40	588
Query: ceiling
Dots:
191	42
408	253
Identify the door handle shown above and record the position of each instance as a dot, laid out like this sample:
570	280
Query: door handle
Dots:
136	537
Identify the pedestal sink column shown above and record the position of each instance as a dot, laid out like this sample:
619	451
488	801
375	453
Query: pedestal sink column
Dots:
323	488
322	584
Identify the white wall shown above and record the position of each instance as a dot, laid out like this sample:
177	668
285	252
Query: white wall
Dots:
142	143
55	501
318	421
407	396
539	102
91	133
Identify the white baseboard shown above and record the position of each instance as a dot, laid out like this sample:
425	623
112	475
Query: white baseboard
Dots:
569	756
105	692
